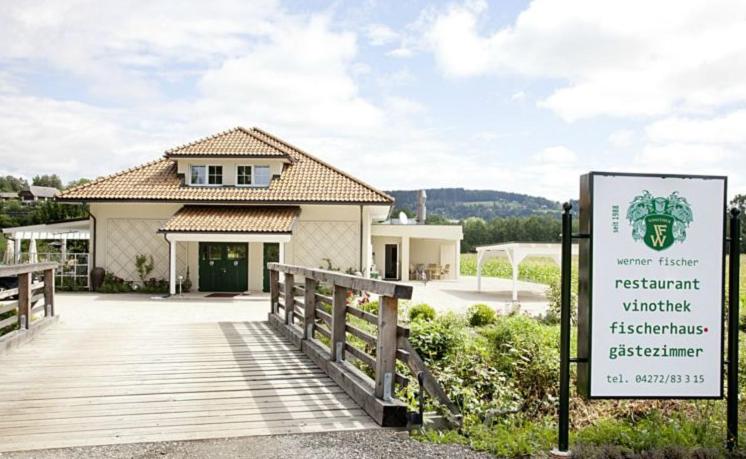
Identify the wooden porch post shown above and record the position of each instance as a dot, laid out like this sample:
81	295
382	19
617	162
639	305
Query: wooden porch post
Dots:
309	313
386	347
339	313
274	290
289	298
24	300
49	292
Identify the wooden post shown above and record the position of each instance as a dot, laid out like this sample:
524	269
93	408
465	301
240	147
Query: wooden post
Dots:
24	300
49	293
309	313
274	290
339	315
386	347
289	298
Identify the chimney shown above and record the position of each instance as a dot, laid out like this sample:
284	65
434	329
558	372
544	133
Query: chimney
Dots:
421	208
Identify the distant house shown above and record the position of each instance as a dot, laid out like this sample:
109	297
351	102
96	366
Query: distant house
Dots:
224	206
38	193
8	195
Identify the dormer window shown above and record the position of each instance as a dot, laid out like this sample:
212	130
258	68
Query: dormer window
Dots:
243	175
258	176
215	175
206	175
262	176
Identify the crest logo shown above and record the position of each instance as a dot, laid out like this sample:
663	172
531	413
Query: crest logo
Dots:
658	221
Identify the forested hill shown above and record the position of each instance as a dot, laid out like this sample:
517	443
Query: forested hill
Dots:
458	203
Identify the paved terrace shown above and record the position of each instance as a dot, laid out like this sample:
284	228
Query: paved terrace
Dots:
129	368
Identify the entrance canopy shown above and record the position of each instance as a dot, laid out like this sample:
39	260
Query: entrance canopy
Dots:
227	224
516	252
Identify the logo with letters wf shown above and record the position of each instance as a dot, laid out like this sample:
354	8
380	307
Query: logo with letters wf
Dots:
659	221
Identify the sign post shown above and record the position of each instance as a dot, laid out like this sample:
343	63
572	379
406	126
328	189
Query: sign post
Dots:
734	299
651	291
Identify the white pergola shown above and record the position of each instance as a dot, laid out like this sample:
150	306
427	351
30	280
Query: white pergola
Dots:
516	252
62	231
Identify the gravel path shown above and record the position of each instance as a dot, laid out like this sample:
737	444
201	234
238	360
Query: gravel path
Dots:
370	444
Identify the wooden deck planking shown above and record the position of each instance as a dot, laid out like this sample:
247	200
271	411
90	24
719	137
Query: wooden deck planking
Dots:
80	386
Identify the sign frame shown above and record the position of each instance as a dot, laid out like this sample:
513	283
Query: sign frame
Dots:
585	290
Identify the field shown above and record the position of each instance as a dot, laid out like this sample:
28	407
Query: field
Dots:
539	270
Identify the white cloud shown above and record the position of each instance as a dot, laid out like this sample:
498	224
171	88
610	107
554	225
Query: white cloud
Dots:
401	52
518	96
556	155
727	129
622	138
380	34
634	58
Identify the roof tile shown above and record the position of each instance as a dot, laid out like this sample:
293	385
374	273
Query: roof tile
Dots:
233	219
305	179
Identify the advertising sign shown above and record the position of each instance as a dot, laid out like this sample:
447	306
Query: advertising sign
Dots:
651	286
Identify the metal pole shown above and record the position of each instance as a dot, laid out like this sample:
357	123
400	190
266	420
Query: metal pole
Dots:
564	395
733	312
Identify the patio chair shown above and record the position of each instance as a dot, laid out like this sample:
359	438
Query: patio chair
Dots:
433	271
445	271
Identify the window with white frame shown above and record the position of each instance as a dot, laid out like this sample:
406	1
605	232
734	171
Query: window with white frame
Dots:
243	175
206	175
262	176
215	175
199	175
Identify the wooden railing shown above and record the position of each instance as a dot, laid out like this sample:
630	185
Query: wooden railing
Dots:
355	347
31	302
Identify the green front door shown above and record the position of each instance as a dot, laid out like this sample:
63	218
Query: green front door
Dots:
223	267
271	253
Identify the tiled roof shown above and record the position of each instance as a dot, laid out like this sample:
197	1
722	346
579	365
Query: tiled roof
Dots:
232	219
305	179
238	142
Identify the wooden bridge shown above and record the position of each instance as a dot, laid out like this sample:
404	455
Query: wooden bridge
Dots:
79	385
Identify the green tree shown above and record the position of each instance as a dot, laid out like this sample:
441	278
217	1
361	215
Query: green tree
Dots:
739	201
78	182
10	183
434	219
51	180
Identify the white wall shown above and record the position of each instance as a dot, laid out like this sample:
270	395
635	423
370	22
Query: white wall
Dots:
124	230
229	166
324	231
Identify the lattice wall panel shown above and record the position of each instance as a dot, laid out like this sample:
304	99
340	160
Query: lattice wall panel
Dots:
128	237
339	241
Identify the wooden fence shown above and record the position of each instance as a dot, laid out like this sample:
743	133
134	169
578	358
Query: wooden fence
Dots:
23	308
357	348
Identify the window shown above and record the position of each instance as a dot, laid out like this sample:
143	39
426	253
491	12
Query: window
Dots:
206	175
262	176
199	175
243	175
215	175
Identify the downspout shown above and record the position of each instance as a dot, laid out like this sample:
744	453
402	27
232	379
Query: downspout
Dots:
92	248
93	237
362	268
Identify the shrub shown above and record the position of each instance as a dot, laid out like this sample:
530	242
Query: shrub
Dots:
527	352
436	338
480	315
421	312
144	265
114	284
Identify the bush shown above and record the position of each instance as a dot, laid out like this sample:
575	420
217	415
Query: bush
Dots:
480	315
114	284
435	339
421	312
527	352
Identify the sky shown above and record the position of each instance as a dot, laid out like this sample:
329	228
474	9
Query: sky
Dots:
521	96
